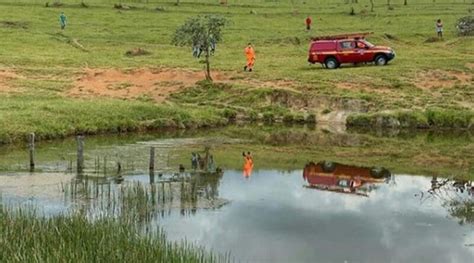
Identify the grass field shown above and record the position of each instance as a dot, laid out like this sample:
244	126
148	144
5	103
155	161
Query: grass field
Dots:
40	64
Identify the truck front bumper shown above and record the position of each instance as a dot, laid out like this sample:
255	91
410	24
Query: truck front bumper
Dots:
391	55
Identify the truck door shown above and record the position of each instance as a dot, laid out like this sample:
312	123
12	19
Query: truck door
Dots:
364	54
347	52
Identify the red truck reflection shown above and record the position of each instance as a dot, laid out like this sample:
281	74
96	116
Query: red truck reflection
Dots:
342	178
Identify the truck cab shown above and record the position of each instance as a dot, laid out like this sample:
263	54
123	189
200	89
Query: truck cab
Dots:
332	51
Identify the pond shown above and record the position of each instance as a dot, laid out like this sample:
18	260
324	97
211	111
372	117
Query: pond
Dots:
279	211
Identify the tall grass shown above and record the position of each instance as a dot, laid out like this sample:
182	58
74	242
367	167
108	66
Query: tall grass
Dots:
25	236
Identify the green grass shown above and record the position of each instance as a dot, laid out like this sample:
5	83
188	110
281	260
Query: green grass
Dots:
59	117
49	61
27	236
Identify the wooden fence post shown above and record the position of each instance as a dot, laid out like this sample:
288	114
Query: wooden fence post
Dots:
152	160
32	151
80	153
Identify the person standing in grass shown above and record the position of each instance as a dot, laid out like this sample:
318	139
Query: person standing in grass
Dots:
250	55
62	20
308	22
439	28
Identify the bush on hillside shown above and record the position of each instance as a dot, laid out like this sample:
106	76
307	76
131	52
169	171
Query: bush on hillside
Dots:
465	26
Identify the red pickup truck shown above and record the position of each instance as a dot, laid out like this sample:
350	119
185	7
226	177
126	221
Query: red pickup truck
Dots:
343	178
332	51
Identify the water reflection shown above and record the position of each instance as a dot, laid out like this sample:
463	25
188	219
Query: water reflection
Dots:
341	178
142	201
272	218
456	195
281	222
248	164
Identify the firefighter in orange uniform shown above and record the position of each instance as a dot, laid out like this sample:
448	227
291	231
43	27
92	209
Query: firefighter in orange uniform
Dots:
248	164
250	55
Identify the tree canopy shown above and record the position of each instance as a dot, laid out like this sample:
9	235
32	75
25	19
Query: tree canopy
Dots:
203	32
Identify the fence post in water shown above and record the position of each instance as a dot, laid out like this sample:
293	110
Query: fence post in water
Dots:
152	159
32	151
80	154
152	165
105	165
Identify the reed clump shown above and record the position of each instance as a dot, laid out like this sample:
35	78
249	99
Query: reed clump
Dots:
26	235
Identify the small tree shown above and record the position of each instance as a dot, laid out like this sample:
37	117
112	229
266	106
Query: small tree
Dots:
203	32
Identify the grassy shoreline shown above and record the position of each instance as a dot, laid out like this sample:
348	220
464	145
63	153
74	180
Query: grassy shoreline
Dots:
429	119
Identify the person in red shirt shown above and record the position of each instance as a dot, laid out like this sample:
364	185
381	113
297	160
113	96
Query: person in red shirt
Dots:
308	23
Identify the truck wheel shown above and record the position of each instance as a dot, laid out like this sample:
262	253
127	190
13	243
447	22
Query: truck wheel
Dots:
380	60
379	172
331	63
328	167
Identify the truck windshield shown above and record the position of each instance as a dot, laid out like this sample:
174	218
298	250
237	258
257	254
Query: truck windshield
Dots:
368	44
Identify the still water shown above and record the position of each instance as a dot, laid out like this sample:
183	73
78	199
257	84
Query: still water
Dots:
274	216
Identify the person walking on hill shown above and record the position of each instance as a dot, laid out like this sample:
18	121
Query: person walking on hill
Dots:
439	28
250	55
62	20
308	22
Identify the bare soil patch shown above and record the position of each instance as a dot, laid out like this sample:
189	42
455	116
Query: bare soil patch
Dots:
442	79
5	77
155	84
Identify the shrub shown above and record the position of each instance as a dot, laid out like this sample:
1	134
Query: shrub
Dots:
413	119
449	118
465	26
311	118
299	118
252	115
229	114
288	118
359	120
268	117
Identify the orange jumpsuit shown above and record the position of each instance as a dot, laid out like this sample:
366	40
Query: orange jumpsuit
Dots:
250	55
248	166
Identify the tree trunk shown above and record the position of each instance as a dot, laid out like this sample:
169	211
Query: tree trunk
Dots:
371	5
208	65
405	2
